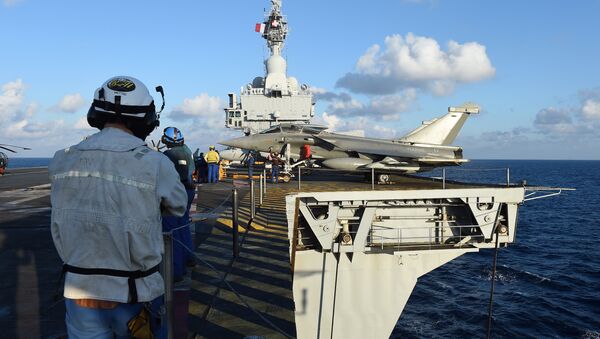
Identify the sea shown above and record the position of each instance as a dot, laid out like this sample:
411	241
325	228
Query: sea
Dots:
547	283
27	162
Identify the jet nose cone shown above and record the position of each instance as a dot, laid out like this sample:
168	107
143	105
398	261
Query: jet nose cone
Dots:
237	142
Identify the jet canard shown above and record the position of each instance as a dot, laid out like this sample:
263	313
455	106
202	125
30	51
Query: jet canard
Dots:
423	149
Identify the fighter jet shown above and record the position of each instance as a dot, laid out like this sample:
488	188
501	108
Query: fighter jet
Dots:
423	149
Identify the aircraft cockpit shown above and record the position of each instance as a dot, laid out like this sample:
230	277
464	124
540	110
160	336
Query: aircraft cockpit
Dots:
292	128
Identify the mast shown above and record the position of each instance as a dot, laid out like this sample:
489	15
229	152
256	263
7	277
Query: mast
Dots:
273	98
275	28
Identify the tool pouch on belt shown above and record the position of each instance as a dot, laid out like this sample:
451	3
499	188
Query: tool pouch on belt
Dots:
139	326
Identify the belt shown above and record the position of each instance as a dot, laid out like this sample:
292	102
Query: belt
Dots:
132	275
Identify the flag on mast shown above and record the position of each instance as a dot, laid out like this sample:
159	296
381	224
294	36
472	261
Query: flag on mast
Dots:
260	28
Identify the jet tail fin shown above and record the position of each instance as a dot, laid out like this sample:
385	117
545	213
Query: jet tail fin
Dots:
442	130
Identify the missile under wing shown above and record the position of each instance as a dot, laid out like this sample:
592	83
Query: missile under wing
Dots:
422	149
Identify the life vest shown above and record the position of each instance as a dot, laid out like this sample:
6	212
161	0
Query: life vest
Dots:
212	157
306	151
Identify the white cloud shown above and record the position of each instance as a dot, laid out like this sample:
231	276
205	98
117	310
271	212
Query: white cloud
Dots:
359	126
417	62
70	103
582	121
591	109
201	105
384	132
554	121
33	130
331	121
19	121
83	125
201	120
317	90
385	107
11	99
390	106
10	3
200	133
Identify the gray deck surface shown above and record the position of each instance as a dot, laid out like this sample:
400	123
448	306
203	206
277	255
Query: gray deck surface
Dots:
29	264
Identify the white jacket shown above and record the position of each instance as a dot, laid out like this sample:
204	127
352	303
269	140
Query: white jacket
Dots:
107	195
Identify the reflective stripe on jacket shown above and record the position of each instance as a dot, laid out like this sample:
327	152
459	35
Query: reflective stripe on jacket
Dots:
107	194
211	157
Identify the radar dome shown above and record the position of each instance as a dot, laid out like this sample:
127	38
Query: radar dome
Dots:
276	64
258	82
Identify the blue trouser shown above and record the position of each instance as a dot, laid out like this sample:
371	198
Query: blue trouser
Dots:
250	172
186	233
170	223
181	235
275	174
213	172
204	174
83	322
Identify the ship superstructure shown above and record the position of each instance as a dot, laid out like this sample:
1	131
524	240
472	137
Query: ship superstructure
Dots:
274	98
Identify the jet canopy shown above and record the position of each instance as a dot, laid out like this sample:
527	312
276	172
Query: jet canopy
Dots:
295	128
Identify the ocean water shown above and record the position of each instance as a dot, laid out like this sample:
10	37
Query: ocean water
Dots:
547	284
27	162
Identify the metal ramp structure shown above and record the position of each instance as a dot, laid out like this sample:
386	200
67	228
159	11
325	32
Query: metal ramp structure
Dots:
356	256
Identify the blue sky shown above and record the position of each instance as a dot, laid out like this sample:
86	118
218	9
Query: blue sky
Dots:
380	66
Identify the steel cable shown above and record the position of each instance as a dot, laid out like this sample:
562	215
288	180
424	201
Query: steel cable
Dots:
267	321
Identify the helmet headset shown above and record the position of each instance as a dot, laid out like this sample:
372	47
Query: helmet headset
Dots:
126	100
172	137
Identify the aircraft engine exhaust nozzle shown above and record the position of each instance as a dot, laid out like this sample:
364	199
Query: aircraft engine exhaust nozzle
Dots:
346	164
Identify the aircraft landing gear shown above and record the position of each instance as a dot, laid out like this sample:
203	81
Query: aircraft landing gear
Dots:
285	177
383	178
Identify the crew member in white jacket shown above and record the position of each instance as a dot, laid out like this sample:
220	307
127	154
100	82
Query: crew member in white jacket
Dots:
108	193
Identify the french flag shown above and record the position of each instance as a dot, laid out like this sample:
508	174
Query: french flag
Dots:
259	28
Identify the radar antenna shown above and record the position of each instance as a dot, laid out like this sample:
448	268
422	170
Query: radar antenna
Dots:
274	29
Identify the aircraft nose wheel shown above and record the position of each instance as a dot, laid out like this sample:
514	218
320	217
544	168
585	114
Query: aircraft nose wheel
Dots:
286	178
383	178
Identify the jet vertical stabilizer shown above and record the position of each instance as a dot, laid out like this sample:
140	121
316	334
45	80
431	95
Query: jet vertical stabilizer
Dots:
443	130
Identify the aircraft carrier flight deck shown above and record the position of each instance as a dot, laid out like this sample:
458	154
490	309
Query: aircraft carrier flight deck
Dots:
261	274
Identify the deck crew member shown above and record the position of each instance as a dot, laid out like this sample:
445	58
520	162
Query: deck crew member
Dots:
275	163
201	166
107	195
250	162
182	158
212	159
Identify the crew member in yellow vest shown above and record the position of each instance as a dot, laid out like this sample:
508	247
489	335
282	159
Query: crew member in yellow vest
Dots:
212	159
